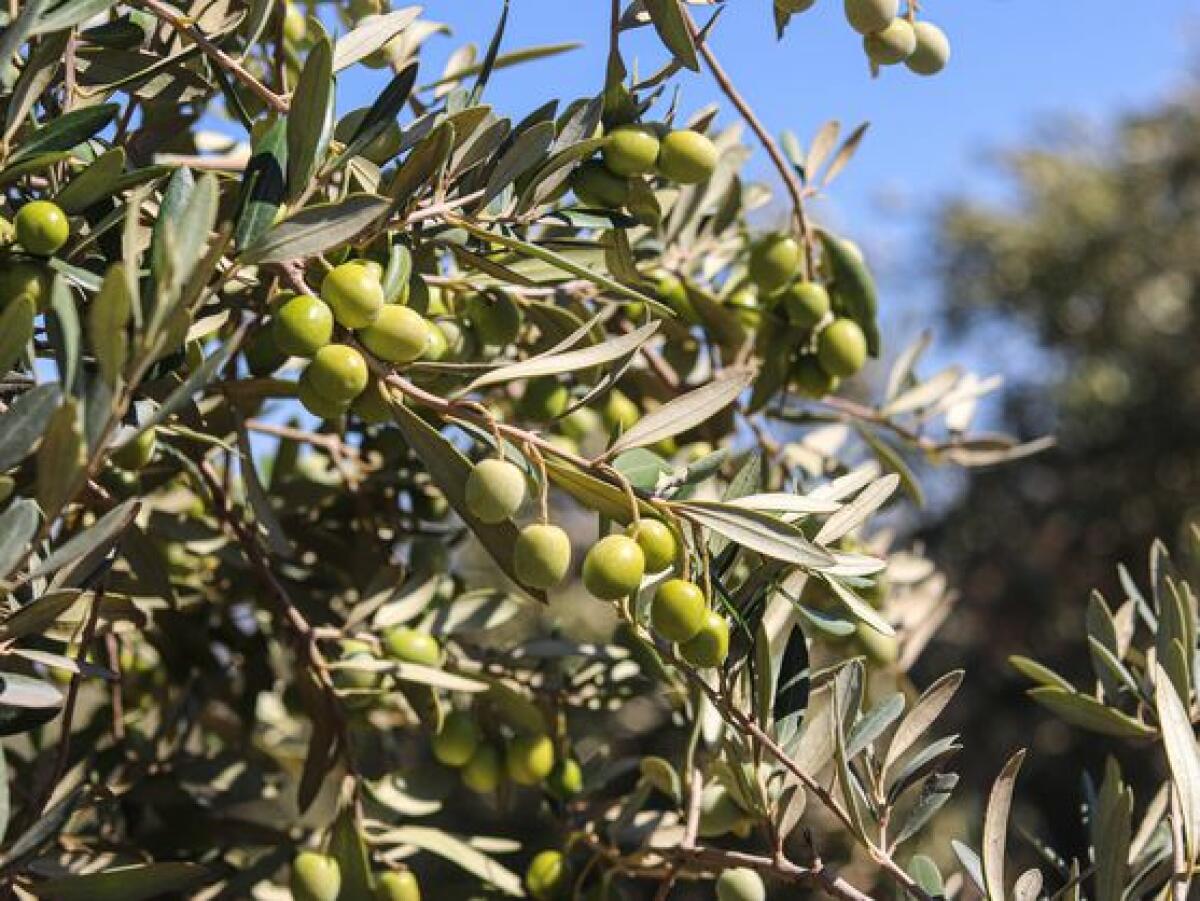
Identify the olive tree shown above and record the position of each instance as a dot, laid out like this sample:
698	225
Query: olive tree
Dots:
309	423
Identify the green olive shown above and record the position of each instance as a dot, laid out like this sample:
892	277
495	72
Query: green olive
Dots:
805	303
542	556
495	490
374	405
619	413
544	399
295	24
302	325
412	646
581	424
597	187
317	403
529	759
719	812
263	355
495	317
842	348
548	876
893	44
354	294
24	278
710	645
932	51
338	372
687	157
868	16
398	335
41	227
614	567
630	150
455	744
315	877
773	261
397	886
483	771
566	779
137	453
657	542
741	884
812	380
679	610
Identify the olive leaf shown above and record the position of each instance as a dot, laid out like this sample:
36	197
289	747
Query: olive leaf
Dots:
66	131
670	21
315	229
264	184
25	422
371	34
61	458
108	316
16	330
995	828
135	882
310	118
18	526
684	412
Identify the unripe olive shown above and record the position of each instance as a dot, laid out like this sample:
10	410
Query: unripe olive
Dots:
744	302
455	744
671	290
430	504
842	348
374	404
548	876
566	780
719	813
338	372
894	44
356	679
354	294
317	403
657	542
295	25
263	355
315	877
380	149
580	424
542	556
812	380
932	51
544	399
495	317
302	325
398	335
7	232
596	186
24	278
412	646
867	16
495	490
879	648
614	567
482	773
401	886
136	453
41	227
619	413
373	266
630	150
687	157
529	759
679	610
805	303
740	884
773	261
710	645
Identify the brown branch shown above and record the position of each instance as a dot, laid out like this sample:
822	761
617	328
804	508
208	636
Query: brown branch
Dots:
790	180
183	25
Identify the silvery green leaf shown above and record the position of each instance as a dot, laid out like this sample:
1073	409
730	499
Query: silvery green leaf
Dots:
371	33
924	713
457	852
873	724
856	512
25	421
1028	886
571	361
18	526
684	412
315	229
1111	827
1183	756
758	532
1088	713
995	828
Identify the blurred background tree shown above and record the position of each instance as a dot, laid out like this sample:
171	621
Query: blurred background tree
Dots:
1095	255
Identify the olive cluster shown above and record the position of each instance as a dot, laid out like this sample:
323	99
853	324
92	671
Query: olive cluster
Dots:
39	230
336	378
318	877
888	37
635	151
613	568
832	346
